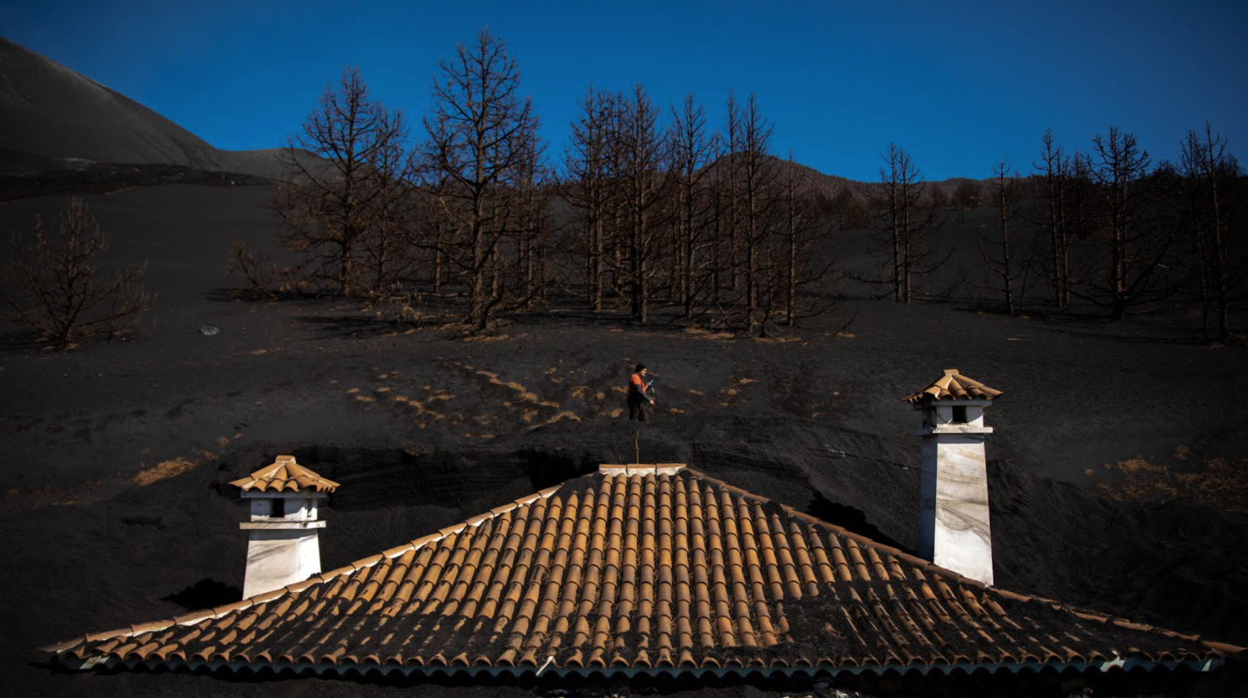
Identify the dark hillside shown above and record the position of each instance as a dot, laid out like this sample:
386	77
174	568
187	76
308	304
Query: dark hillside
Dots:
52	118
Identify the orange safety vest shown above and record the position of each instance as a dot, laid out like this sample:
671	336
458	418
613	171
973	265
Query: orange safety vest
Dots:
636	386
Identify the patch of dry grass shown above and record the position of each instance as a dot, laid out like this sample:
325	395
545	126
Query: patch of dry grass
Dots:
162	471
1218	483
697	333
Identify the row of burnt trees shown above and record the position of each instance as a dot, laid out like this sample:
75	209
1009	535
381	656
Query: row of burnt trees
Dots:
464	208
1107	227
655	211
704	220
1117	232
659	209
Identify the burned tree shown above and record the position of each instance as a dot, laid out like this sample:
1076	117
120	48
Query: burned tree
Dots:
903	223
800	266
732	136
644	180
1128	235
967	195
589	182
332	203
758	177
690	150
1054	169
531	195
478	138
1004	195
55	289
1212	181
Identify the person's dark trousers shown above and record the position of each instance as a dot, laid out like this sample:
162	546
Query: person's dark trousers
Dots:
636	410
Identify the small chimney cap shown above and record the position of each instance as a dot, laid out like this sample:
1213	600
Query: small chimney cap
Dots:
285	475
953	386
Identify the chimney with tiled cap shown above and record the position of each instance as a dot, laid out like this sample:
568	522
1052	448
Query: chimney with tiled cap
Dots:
282	536
954	531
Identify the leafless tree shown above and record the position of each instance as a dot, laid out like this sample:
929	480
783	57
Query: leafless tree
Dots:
55	289
478	138
1054	168
801	266
759	177
690	150
531	192
332	203
645	179
903	224
589	183
257	270
1126	226
1211	177
1005	195
968	194
732	135
387	243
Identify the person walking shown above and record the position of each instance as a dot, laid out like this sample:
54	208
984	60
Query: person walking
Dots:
639	397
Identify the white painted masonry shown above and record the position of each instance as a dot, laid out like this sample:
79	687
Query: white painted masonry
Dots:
954	529
281	549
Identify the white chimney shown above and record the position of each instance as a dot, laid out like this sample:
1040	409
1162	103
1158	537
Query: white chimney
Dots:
954	530
283	545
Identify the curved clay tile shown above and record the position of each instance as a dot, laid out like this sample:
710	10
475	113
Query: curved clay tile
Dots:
642	572
285	475
953	386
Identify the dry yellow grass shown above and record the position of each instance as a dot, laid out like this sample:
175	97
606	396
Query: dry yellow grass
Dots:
162	471
560	416
1218	483
696	333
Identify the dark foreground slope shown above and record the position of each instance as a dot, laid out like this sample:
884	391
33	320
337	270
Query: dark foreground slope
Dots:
115	509
52	118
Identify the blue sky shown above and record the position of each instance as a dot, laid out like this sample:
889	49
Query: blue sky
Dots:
960	85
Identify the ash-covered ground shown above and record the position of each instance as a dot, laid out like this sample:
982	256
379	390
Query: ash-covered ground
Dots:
1117	467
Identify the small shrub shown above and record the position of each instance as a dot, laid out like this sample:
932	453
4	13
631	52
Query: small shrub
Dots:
54	288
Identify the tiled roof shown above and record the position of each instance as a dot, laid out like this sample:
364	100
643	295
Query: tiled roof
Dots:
641	573
954	386
285	475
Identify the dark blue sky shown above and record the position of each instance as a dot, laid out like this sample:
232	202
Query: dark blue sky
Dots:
959	85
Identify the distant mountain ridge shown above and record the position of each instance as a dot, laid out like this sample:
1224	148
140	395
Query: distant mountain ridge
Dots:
52	118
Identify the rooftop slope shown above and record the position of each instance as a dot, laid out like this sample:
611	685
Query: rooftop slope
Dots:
53	118
645	571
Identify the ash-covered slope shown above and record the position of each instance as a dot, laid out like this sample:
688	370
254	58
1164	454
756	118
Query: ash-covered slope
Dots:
52	118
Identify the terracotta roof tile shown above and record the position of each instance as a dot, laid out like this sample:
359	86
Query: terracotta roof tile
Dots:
642	571
285	475
954	386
